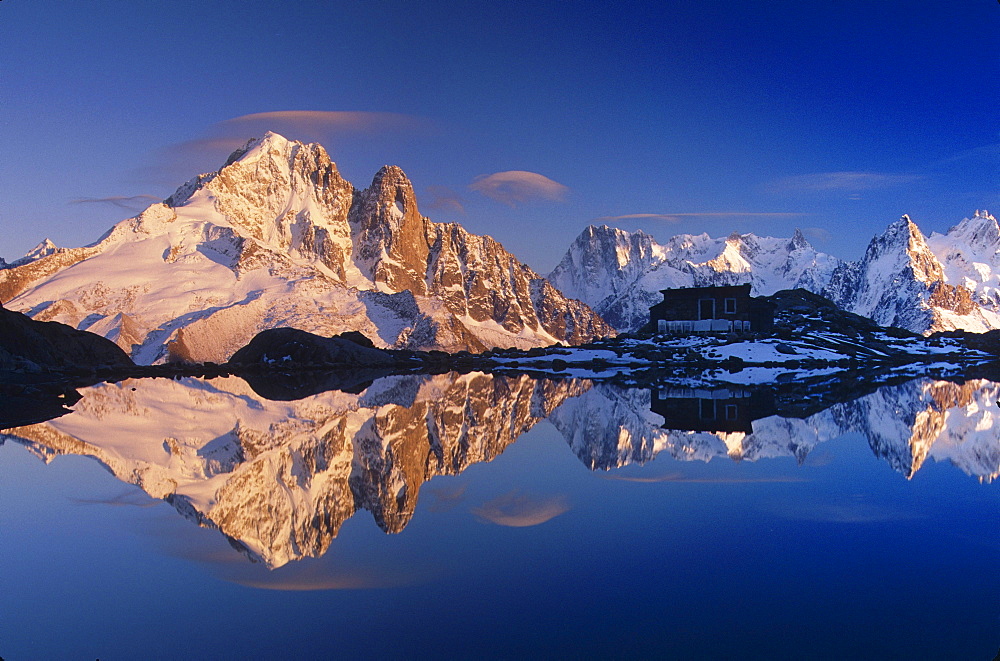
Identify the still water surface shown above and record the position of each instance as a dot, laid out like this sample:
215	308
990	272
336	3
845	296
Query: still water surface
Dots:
461	516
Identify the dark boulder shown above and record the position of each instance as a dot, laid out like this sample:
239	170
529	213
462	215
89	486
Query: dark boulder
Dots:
296	348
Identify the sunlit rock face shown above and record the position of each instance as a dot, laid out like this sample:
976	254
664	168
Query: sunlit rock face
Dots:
277	237
901	282
280	478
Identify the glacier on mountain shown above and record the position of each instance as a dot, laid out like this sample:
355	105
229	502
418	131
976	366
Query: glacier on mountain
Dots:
277	237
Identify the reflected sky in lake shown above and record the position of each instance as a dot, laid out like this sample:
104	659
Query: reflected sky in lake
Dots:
477	515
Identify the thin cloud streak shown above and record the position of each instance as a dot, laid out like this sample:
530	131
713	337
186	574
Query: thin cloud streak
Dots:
817	234
514	187
127	499
989	152
819	182
443	198
445	499
207	146
351	121
678	217
848	513
319	582
680	478
322	126
130	202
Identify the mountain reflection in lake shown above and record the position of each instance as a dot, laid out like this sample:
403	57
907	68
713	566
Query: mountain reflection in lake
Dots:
280	479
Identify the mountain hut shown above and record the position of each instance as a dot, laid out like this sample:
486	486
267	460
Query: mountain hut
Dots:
711	309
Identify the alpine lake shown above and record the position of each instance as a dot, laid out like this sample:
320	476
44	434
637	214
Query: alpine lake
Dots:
505	515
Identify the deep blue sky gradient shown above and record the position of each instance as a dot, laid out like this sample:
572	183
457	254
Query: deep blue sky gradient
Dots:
669	109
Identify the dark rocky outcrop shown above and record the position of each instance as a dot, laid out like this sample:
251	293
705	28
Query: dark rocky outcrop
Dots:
277	346
800	309
40	346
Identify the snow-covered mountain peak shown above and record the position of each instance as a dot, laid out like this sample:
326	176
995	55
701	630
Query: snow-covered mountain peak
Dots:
43	249
602	259
970	255
276	237
798	242
923	285
620	274
902	246
980	233
46	247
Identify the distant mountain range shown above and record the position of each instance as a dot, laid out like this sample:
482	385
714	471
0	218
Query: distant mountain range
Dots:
277	237
944	282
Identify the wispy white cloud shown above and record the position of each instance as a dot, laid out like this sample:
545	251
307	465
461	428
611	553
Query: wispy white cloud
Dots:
324	121
848	182
442	198
130	202
520	510
817	234
514	187
681	478
983	153
324	126
678	217
445	499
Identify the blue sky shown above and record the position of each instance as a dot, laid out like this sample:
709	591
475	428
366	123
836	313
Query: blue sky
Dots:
526	121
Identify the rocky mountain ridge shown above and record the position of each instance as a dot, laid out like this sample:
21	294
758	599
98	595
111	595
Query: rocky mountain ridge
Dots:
277	237
923	284
902	282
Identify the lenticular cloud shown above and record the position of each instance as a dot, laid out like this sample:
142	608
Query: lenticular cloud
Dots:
516	186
